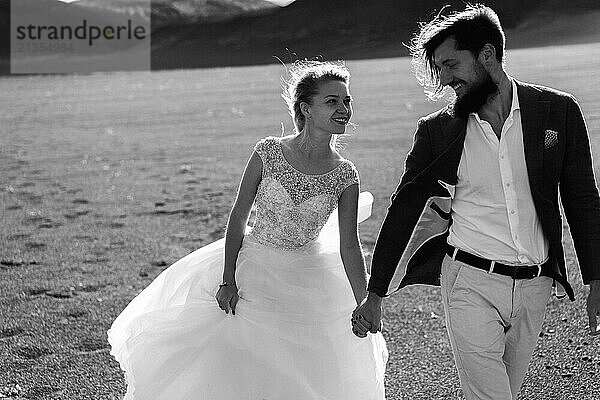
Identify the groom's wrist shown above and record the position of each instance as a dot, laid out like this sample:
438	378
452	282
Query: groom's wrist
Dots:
374	298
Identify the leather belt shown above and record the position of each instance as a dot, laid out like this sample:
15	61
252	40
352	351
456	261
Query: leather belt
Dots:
514	271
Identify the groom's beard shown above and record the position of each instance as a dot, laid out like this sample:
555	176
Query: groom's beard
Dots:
473	100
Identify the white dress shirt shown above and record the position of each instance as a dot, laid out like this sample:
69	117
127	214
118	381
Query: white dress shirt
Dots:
492	209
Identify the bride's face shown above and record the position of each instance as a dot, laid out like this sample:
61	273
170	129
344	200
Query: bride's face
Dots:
331	108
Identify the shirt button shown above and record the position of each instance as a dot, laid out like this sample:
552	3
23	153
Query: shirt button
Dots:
508	185
512	212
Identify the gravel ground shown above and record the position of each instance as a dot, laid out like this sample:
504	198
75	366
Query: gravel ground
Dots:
99	193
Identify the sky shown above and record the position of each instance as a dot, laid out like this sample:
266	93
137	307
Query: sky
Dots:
278	2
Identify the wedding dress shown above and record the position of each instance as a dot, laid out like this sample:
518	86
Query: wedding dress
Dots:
291	336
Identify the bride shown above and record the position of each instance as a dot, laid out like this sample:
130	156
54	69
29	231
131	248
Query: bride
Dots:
264	313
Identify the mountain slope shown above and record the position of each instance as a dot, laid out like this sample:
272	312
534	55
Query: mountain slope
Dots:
176	12
210	33
334	29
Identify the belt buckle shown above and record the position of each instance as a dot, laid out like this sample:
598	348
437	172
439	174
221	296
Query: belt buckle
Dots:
492	265
454	252
539	270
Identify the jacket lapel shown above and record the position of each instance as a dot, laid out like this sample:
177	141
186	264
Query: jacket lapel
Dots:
453	131
448	137
534	117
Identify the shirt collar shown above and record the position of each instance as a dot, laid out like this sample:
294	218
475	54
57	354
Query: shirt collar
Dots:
515	97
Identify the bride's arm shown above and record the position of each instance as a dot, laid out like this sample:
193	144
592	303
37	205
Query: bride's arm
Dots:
236	225
350	249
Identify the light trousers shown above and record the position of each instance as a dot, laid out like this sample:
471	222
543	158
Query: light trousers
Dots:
493	323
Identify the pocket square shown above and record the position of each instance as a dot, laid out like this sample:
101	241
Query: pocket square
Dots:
550	138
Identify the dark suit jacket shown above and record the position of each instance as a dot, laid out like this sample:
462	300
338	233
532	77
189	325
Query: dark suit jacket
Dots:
411	243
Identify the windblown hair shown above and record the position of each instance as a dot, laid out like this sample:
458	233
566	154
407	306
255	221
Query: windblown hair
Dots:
305	76
472	29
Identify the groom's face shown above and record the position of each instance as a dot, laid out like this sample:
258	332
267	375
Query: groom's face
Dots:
465	74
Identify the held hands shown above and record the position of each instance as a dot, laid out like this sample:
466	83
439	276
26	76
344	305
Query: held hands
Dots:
227	297
367	316
593	307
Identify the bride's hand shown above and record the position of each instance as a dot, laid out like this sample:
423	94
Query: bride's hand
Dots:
227	297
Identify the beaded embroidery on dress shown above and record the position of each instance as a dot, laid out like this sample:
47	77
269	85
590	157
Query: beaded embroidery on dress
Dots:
291	336
292	207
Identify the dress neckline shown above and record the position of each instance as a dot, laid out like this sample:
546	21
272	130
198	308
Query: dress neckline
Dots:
280	146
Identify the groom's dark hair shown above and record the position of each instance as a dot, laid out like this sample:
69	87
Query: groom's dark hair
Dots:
472	29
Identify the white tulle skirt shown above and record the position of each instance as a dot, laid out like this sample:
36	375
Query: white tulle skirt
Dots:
289	339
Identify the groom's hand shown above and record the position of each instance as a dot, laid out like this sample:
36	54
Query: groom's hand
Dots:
367	316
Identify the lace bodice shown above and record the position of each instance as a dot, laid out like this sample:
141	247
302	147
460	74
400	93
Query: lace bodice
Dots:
292	207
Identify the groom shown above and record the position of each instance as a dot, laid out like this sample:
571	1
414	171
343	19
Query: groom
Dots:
478	204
